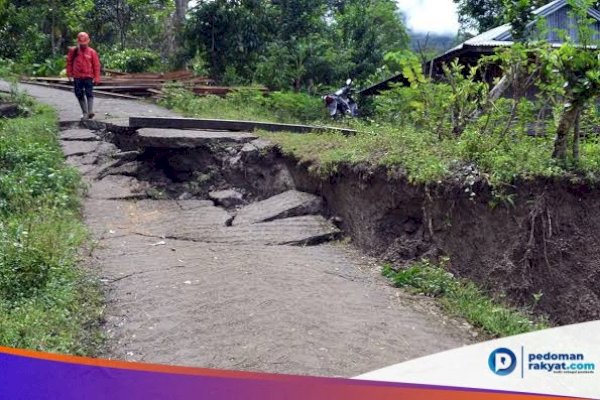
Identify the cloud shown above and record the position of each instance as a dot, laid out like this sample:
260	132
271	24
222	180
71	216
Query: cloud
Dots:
435	16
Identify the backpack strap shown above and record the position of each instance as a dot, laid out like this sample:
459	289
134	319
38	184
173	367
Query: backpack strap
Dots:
75	54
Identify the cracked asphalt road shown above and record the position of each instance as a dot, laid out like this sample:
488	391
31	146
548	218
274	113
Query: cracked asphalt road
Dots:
236	303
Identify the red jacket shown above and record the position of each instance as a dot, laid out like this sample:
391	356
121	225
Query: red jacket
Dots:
85	65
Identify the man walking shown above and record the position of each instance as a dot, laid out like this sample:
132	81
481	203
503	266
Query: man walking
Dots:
83	66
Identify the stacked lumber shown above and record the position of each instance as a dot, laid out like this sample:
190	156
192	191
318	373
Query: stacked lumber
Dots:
143	84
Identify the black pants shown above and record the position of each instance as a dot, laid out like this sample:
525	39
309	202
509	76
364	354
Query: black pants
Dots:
84	87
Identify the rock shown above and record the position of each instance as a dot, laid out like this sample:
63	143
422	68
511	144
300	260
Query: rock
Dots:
88	159
227	198
117	187
307	230
288	204
181	139
78	148
234	161
249	148
126	156
79	134
254	150
127	169
185	196
261	144
9	110
337	221
122	164
231	151
107	149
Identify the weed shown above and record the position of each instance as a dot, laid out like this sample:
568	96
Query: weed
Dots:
46	302
405	140
463	298
247	104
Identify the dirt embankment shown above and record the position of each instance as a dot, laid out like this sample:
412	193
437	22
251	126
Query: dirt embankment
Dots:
544	244
540	250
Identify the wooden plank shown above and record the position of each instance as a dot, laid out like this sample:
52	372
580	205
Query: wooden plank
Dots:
70	88
228	125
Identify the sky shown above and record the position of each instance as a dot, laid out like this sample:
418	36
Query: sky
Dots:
435	16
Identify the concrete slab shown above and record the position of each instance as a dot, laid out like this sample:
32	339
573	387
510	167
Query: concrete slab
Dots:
179	138
117	187
288	204
79	135
78	148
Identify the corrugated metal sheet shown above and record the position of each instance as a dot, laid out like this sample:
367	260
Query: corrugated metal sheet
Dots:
557	15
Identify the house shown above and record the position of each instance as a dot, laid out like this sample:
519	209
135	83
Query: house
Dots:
557	15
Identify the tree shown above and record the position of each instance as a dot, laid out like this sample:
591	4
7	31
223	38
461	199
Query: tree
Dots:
367	30
37	30
519	13
181	7
302	51
134	23
230	33
482	15
575	71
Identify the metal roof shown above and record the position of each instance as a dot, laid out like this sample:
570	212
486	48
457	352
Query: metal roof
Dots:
496	37
501	35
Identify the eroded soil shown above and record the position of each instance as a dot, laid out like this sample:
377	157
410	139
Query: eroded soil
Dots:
186	284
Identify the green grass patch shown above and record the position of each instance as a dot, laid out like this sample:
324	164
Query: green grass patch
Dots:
424	153
463	298
46	302
247	104
406	148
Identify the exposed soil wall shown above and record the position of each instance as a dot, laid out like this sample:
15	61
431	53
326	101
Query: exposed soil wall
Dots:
546	243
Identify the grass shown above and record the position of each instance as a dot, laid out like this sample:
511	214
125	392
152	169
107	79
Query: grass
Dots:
417	150
408	149
463	298
248	104
46	302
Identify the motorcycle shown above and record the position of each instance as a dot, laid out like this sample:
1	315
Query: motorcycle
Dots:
341	103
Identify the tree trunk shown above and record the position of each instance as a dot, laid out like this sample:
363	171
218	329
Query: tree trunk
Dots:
500	88
52	38
576	137
567	120
180	11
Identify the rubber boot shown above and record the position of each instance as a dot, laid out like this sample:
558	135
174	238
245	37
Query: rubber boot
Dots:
84	107
90	107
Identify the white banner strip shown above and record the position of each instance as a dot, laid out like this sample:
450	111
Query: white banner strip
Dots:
562	361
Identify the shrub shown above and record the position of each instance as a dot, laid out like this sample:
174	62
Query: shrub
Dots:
50	67
247	103
132	60
46	303
7	67
299	106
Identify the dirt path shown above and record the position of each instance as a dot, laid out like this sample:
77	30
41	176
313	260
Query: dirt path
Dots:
182	289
